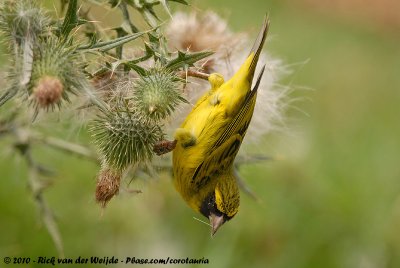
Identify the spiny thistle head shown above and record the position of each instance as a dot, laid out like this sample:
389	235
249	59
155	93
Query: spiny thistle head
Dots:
108	182
20	19
157	93
124	137
56	73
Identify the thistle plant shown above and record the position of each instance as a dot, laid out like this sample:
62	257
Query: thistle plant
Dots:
72	64
55	75
21	24
157	93
125	137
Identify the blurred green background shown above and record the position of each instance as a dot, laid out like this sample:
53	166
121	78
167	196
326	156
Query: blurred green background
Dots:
331	200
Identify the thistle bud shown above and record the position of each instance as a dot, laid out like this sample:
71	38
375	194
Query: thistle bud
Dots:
22	24
157	93
56	74
108	182
22	19
123	137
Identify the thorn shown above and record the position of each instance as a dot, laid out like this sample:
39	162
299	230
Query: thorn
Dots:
152	109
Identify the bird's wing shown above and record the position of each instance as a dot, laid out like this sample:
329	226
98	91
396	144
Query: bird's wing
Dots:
241	121
217	162
224	151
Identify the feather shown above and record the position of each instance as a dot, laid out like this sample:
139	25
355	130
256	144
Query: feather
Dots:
257	47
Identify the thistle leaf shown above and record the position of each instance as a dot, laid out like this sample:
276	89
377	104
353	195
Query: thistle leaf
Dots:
107	45
187	59
150	17
129	63
71	19
127	23
141	71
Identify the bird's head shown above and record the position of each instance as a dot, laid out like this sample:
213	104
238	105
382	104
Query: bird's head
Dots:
222	204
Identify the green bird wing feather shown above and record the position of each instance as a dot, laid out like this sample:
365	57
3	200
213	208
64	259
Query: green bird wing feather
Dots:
242	119
217	162
225	149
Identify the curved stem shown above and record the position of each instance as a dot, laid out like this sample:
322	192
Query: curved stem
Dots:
193	73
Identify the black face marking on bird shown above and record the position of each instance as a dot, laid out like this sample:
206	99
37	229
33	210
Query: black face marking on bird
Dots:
208	207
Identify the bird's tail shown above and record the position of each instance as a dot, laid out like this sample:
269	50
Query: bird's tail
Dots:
257	47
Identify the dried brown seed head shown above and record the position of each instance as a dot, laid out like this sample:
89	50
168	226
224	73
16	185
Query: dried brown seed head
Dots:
108	183
48	91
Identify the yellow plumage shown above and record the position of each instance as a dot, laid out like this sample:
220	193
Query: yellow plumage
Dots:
210	137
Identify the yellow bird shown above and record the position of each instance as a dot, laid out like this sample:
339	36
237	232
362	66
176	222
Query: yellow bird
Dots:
210	137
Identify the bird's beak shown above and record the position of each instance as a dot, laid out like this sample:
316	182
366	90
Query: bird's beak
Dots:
216	222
